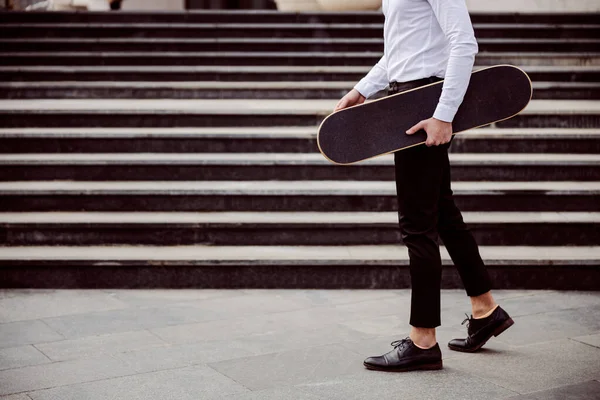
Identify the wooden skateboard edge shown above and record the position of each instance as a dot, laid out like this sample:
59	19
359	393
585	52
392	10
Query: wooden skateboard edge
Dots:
417	88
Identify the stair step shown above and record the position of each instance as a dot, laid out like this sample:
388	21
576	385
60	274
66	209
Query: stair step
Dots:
272	140
203	112
284	228
242	74
284	166
274	44
200	266
239	90
279	58
272	16
281	30
284	196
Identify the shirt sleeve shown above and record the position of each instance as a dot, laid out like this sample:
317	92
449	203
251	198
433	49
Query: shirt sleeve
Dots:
454	20
375	80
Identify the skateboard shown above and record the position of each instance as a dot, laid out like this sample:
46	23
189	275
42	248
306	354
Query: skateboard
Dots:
378	127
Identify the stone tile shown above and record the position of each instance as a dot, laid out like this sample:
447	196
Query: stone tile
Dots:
592	340
327	297
278	393
60	373
316	317
447	384
14	334
396	305
160	297
190	383
291	367
224	329
550	326
15	397
299	339
182	355
582	391
21	356
304	319
130	319
257	304
386	325
101	344
534	367
42	303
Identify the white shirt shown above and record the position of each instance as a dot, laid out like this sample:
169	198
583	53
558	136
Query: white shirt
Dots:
424	38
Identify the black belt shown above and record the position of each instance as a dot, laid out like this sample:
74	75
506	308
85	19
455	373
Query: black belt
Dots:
402	86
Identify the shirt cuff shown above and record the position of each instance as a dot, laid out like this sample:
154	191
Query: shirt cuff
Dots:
444	112
366	88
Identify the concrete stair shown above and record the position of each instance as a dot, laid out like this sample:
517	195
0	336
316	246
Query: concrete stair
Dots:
178	150
284	166
284	228
279	58
332	267
273	44
274	30
269	17
231	90
249	73
273	139
278	195
251	112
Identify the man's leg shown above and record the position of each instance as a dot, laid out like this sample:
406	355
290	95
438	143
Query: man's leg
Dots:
460	243
488	319
419	174
418	178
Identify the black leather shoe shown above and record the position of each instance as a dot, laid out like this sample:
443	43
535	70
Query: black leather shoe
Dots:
480	330
406	357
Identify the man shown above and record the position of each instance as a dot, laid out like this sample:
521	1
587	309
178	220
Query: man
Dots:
425	41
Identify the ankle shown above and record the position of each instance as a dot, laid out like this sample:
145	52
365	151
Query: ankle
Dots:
483	305
483	311
423	338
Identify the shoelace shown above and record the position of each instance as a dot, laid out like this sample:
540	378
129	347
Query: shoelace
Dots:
468	320
400	342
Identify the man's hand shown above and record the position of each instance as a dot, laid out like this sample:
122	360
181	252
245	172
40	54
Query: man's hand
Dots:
352	98
438	132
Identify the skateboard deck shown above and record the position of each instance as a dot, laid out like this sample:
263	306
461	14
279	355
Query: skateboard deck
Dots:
379	127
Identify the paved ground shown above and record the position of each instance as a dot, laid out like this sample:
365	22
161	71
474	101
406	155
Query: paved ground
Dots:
283	344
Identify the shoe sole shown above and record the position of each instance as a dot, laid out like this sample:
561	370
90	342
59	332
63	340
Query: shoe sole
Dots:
505	325
423	367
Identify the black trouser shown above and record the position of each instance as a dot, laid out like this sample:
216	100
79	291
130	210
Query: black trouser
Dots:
426	211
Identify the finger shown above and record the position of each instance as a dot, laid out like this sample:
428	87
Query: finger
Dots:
416	127
341	104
